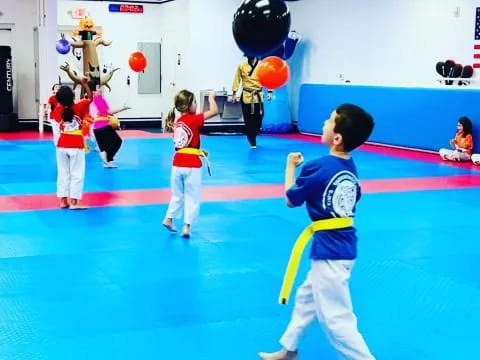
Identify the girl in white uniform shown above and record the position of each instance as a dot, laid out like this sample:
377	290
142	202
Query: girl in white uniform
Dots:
71	146
186	176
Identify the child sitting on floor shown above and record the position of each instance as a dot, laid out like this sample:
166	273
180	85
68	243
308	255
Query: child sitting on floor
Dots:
463	142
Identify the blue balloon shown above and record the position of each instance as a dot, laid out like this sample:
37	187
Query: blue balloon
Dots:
63	46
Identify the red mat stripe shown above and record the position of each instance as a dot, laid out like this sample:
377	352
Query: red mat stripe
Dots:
229	193
35	135
410	154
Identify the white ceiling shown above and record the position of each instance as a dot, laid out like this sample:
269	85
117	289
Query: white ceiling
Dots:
131	1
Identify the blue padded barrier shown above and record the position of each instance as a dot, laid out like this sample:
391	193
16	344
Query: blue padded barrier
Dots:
422	118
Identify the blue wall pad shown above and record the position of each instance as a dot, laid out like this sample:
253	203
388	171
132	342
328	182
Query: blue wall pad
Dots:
423	118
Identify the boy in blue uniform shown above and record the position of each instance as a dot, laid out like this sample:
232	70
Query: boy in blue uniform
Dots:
330	187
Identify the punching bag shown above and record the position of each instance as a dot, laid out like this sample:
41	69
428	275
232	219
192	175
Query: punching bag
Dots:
6	80
8	120
277	118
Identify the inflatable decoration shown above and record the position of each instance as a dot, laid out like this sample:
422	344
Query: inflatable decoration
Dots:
91	66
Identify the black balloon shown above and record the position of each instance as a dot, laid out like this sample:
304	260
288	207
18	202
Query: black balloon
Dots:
261	26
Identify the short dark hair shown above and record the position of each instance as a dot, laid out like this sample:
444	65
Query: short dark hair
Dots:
467	125
354	124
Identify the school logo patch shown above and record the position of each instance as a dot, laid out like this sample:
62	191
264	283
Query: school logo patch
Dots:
73	125
182	135
340	194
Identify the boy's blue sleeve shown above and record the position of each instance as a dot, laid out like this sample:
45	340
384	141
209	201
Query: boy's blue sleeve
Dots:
299	192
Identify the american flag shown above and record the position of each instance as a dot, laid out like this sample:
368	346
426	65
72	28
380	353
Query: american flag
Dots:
476	46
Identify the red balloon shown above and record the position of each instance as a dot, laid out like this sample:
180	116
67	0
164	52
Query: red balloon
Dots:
137	61
273	72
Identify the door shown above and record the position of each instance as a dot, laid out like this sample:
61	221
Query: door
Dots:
36	59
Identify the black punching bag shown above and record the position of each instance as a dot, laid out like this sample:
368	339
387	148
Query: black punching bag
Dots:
8	119
6	80
261	26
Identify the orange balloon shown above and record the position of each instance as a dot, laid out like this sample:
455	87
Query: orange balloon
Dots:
137	61
273	72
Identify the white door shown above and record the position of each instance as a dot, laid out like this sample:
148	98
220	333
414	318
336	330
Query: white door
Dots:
169	61
5	35
36	45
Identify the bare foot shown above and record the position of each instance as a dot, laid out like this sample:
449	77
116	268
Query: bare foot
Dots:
103	156
279	355
168	223
78	206
186	231
75	205
110	165
64	203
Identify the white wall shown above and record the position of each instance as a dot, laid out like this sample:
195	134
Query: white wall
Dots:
47	37
22	13
164	23
214	54
371	42
200	31
388	42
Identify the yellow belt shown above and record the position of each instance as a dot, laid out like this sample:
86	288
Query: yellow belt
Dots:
299	246
74	132
112	120
78	132
194	151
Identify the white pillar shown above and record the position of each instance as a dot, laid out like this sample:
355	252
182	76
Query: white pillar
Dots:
47	66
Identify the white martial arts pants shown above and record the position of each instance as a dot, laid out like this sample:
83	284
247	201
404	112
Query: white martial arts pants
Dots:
186	189
476	159
325	295
55	131
454	155
71	172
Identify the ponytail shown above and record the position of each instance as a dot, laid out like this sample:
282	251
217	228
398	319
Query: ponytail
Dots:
67	114
183	101
170	121
65	97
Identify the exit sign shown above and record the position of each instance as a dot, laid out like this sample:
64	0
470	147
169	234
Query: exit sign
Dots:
79	13
126	8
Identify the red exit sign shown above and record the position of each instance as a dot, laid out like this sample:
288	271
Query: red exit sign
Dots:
126	8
